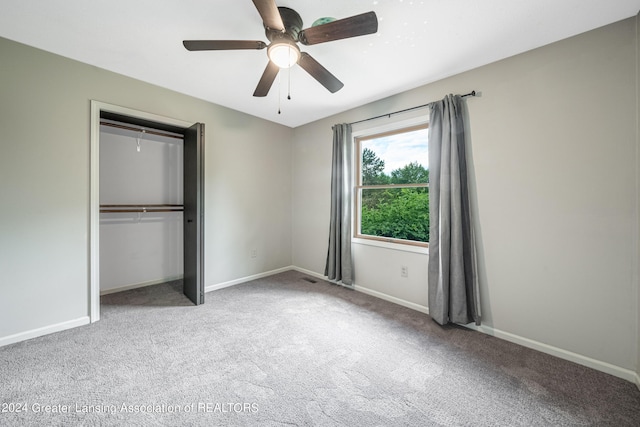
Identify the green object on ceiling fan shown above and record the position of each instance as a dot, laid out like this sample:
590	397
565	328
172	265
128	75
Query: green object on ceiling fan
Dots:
322	21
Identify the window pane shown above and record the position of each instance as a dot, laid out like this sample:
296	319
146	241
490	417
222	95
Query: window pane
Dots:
398	213
401	158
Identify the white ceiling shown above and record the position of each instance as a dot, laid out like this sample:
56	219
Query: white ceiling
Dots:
418	42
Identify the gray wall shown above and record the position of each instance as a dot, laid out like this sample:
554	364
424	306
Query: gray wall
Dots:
553	152
638	198
44	184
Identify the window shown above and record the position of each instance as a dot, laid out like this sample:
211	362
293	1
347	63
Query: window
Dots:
392	186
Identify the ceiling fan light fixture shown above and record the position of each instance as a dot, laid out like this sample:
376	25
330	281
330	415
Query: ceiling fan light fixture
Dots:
283	53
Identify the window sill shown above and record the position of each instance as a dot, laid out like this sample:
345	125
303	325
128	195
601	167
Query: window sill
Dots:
390	245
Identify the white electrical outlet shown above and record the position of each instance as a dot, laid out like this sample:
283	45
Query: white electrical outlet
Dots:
404	271
254	253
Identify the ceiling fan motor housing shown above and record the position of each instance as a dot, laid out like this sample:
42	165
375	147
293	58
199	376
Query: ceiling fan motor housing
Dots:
292	25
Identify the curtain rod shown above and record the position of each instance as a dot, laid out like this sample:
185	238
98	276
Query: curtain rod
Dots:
152	132
472	93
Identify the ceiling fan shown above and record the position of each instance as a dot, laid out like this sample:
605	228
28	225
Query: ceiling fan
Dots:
283	27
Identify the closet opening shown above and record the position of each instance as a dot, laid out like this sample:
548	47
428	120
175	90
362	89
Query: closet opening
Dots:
147	203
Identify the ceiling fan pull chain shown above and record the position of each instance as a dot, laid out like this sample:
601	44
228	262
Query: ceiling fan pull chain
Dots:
289	77
289	81
279	90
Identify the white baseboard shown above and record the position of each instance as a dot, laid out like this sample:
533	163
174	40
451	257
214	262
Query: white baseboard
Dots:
139	285
371	292
580	359
399	301
215	287
46	330
309	273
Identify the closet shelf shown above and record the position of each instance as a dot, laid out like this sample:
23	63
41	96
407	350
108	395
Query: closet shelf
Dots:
140	208
142	130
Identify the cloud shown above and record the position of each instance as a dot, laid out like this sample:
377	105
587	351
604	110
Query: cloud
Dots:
401	149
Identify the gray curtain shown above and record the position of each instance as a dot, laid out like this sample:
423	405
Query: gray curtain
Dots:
339	263
452	278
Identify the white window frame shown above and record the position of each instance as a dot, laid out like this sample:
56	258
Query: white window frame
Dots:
363	133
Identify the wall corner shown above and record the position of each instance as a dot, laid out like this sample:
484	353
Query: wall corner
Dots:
637	233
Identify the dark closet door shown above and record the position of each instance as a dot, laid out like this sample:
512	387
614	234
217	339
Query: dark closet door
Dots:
194	213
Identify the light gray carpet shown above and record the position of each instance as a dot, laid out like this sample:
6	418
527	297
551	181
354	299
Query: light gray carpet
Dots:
281	351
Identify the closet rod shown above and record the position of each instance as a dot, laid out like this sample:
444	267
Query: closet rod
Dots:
152	132
140	208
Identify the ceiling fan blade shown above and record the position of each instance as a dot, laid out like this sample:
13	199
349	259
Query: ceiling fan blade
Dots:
270	14
267	79
359	25
320	73
223	44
